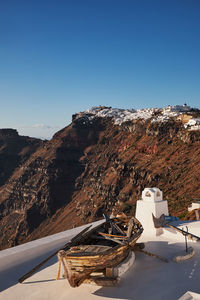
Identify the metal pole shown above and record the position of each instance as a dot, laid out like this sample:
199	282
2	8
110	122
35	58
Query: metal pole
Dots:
185	234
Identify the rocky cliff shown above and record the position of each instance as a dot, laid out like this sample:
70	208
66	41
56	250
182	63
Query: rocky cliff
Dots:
99	164
14	151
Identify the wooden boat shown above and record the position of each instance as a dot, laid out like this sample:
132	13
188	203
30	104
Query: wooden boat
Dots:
102	247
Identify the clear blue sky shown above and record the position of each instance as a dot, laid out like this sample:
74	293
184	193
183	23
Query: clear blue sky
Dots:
61	57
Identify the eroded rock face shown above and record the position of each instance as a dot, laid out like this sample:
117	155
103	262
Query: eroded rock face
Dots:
93	167
14	151
46	181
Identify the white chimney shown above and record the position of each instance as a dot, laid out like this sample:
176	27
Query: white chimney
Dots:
151	202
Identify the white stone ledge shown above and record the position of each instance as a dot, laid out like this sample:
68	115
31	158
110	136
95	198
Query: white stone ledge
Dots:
184	255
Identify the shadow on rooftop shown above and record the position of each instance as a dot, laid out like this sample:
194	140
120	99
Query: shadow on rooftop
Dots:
38	281
152	279
9	276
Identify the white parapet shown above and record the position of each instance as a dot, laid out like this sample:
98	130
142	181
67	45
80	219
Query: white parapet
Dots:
194	205
190	296
122	268
183	255
151	203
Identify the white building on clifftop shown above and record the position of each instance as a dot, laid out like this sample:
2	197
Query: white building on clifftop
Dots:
176	108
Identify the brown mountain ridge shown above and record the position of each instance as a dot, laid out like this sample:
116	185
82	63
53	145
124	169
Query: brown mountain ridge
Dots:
94	166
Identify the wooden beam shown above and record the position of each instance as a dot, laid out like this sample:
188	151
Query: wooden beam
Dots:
130	228
71	243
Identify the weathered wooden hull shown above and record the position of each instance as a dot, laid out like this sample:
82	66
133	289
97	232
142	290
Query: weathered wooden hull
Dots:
78	266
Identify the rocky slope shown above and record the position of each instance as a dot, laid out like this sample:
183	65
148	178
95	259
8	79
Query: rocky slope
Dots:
14	151
97	165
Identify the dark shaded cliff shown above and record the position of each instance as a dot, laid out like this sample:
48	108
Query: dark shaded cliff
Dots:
45	182
14	151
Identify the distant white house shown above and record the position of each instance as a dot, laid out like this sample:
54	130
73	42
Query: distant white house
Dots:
176	108
194	205
193	124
